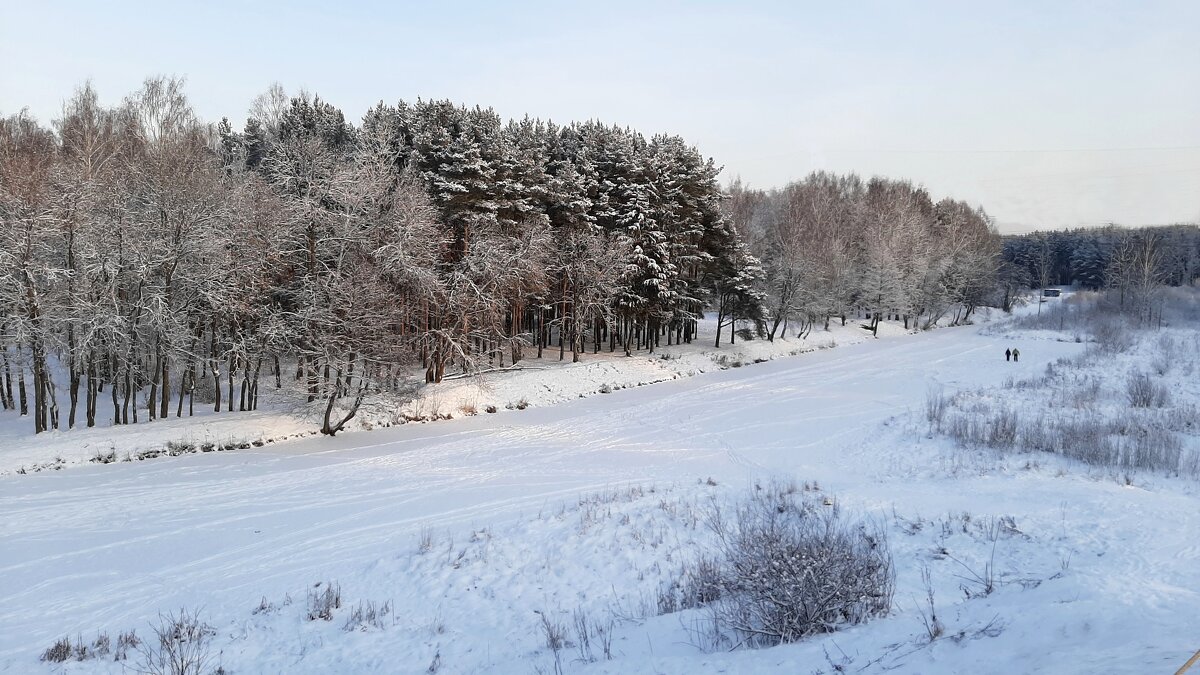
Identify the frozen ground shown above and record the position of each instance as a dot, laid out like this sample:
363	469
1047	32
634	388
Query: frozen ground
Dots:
534	383
470	527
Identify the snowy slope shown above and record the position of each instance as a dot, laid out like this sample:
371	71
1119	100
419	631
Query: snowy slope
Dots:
535	382
533	511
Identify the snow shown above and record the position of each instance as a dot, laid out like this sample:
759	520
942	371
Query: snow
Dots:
533	383
592	504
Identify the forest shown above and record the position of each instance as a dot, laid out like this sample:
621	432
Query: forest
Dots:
1106	257
150	260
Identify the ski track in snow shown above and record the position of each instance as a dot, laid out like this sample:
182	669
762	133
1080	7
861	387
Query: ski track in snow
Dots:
109	546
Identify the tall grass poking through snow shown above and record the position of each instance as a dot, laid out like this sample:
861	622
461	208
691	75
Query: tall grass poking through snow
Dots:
1101	407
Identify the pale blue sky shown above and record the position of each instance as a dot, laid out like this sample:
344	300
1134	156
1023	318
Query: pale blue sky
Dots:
1049	114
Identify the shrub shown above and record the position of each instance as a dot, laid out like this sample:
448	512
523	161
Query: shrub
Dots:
180	645
58	652
1143	392
588	631
791	568
702	582
367	615
936	404
65	650
126	642
321	603
1113	336
101	645
1002	431
176	448
962	430
696	585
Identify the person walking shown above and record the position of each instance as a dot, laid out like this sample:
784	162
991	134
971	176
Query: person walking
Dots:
1016	354
1008	355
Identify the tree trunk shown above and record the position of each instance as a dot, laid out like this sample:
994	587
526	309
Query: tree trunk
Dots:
254	385
113	390
125	400
39	388
152	401
183	385
92	391
541	330
6	399
21	390
229	382
328	427
192	392
73	377
165	403
214	367
51	398
245	389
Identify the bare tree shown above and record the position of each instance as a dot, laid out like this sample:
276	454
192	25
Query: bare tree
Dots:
29	265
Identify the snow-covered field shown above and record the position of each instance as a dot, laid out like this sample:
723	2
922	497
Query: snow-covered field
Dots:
478	533
534	383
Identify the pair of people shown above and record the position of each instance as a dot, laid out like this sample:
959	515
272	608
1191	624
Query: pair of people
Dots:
1013	354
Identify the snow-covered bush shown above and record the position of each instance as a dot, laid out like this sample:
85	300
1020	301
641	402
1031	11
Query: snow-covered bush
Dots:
1002	429
368	615
792	567
1113	336
79	650
323	598
936	403
698	584
58	652
1143	392
180	646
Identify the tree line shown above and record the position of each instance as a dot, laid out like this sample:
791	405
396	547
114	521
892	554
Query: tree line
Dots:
1132	263
154	261
832	245
156	255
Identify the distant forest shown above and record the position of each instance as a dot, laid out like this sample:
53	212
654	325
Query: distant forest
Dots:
1099	258
154	260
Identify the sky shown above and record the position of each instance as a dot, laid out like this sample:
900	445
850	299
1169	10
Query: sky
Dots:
1048	114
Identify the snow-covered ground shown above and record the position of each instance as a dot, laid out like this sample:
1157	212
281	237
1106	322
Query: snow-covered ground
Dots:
533	383
472	530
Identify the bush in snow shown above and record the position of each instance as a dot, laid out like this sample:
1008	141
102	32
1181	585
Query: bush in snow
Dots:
698	584
788	567
125	642
322	602
1143	392
794	568
180	645
66	650
936	403
591	636
58	652
367	615
1113	336
1002	430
